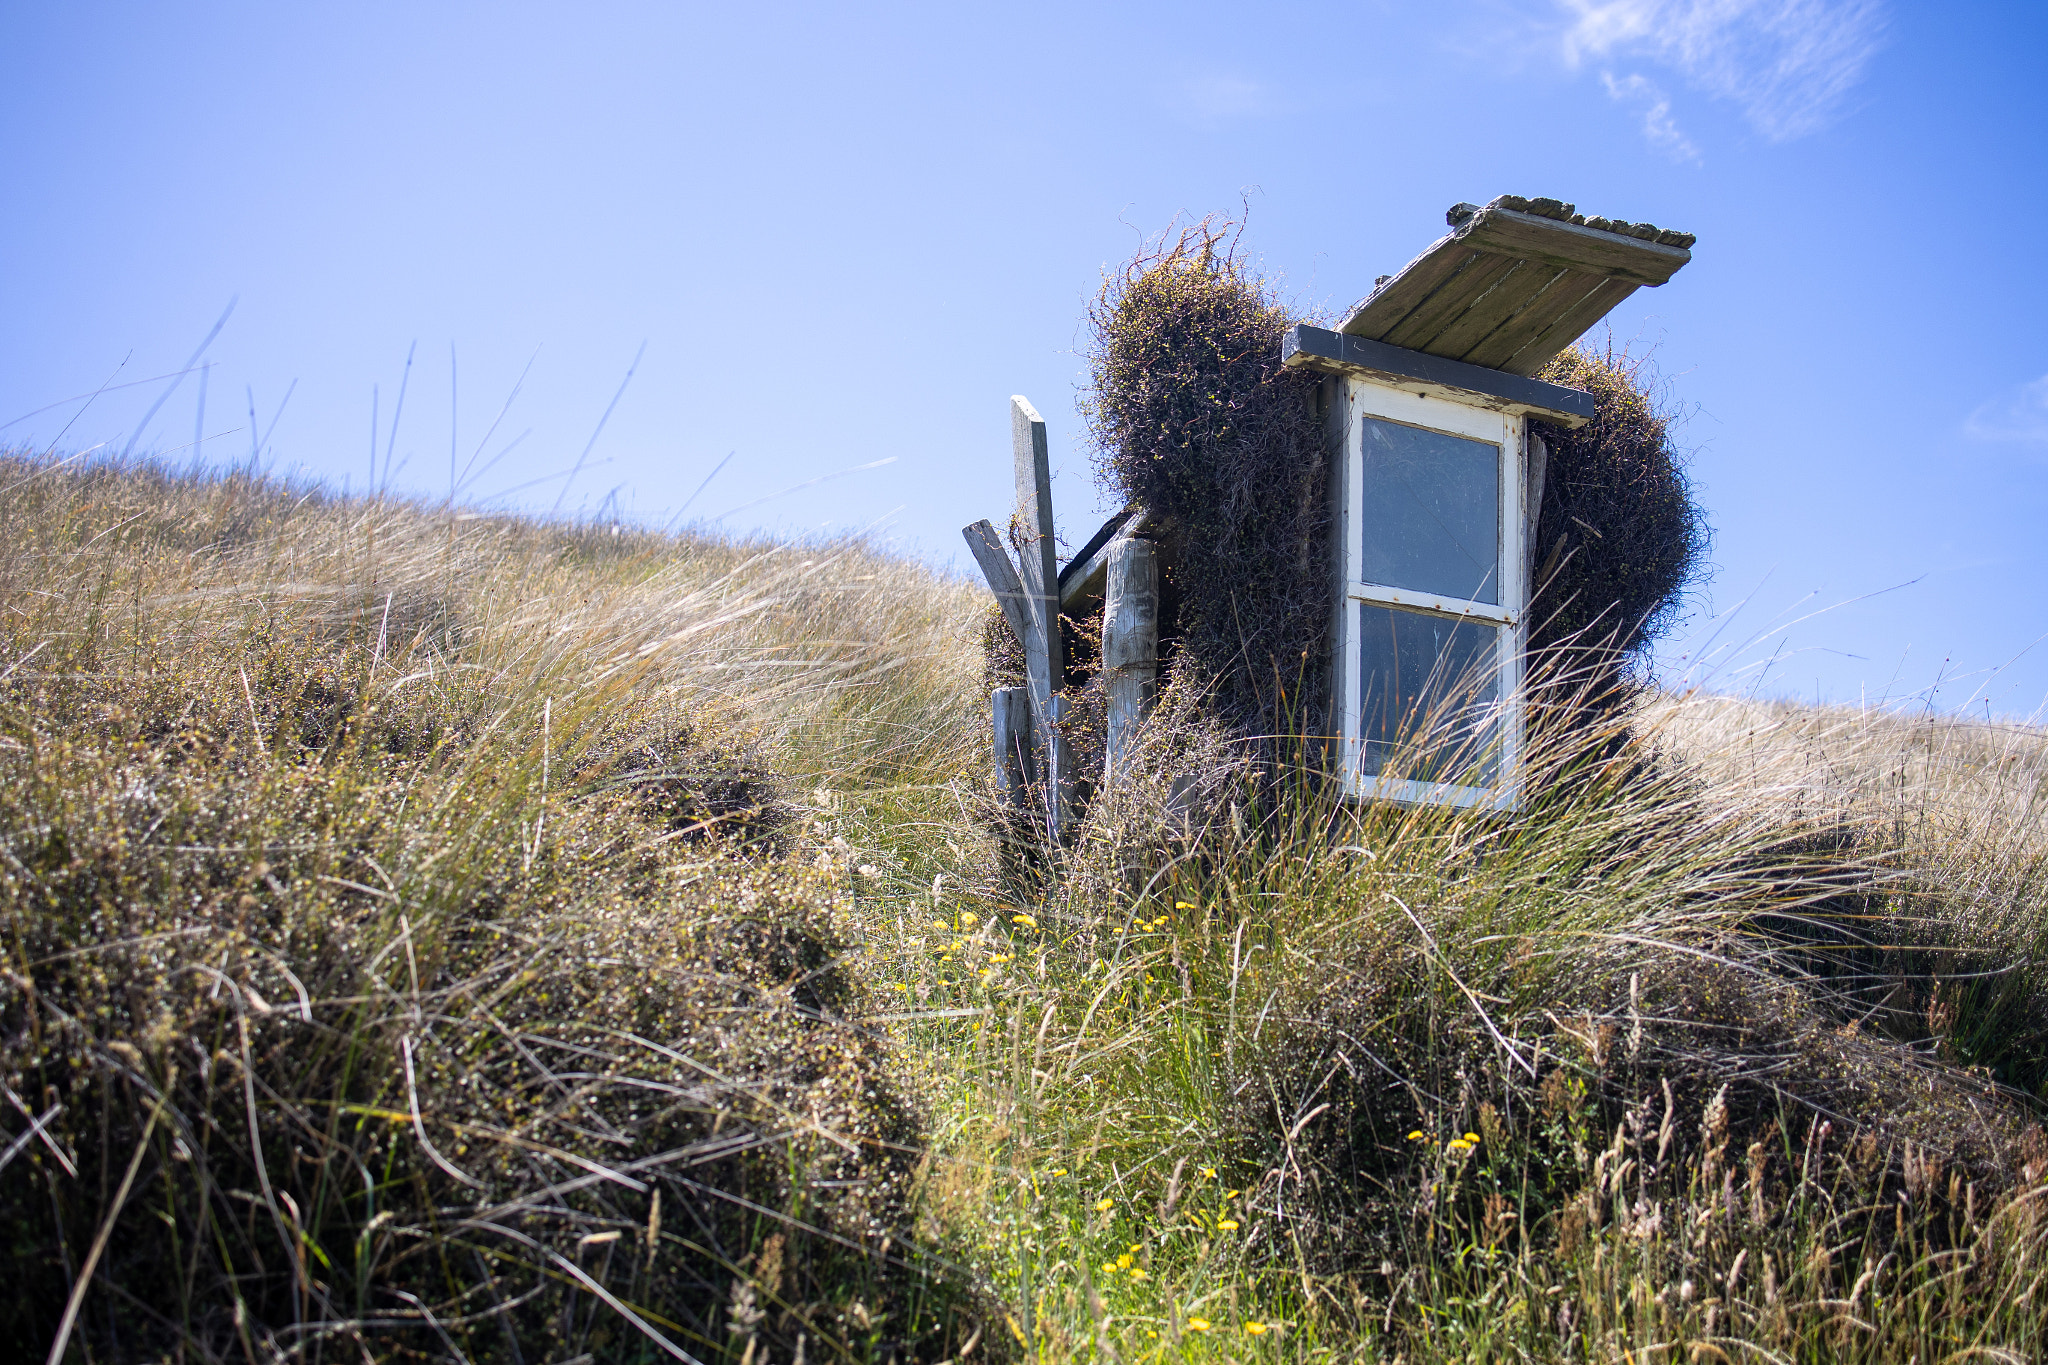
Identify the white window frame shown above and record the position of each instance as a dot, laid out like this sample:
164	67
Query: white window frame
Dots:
1366	398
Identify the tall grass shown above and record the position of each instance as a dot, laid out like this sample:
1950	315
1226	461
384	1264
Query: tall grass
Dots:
412	951
479	939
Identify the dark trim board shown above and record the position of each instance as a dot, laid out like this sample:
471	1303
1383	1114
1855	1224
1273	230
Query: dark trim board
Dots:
1321	349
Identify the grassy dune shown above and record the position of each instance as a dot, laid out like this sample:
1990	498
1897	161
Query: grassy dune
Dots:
461	938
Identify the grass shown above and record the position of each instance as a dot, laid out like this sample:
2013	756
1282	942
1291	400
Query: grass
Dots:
466	938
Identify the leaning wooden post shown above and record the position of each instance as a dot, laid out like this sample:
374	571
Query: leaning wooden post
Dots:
1037	556
1130	645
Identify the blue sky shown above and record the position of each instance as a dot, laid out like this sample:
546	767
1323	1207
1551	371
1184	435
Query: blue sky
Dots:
846	236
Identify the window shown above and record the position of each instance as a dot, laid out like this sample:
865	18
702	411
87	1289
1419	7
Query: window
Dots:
1428	660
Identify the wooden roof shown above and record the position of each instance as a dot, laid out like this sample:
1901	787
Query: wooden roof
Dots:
1515	282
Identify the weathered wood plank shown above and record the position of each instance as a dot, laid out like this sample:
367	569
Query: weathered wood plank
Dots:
1387	306
1536	352
1130	645
1529	237
1449	302
1535	466
1037	554
1500	310
1082	580
994	560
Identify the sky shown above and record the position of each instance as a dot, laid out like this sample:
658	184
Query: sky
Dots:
781	267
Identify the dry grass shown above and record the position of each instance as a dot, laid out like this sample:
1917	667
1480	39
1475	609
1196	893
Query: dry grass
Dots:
398	905
408	907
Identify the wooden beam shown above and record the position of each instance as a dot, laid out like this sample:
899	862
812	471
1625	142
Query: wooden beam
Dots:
994	560
1082	580
1506	232
1334	353
1038	559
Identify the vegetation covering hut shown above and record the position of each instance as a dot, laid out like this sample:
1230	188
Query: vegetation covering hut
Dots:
1390	548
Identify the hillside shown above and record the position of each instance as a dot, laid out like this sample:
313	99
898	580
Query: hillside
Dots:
455	937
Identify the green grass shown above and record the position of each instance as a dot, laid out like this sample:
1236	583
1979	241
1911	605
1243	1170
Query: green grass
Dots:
465	938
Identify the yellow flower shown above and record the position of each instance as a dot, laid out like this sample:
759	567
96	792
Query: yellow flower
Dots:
984	971
1232	1194
1208	1173
1472	1138
1152	1334
900	986
1059	1170
968	919
1104	1205
1003	957
942	926
1458	1145
1198	1324
1255	1329
1226	1225
1109	1267
1025	920
1138	1274
1185	905
1415	1136
1123	1262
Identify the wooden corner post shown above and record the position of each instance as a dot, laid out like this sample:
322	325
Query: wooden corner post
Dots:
1130	645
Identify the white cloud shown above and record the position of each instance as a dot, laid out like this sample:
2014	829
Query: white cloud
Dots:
1658	126
2018	414
1787	64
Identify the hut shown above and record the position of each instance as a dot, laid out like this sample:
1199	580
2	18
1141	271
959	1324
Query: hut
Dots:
1431	460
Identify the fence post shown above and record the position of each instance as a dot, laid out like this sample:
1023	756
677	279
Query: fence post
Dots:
1130	645
1011	708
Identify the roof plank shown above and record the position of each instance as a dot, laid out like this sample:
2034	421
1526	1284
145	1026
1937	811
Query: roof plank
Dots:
1515	282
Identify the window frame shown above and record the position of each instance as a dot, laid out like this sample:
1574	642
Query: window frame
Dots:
1363	398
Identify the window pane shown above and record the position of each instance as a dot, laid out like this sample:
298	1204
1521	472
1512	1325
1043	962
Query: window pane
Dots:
1431	515
1431	683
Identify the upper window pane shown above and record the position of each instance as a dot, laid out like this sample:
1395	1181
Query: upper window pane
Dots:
1430	519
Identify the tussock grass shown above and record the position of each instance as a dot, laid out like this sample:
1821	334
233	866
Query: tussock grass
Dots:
400	905
411	951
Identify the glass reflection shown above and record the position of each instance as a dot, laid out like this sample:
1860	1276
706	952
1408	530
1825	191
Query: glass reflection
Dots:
1429	684
1430	519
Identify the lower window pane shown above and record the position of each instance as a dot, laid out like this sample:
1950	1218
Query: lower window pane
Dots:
1427	692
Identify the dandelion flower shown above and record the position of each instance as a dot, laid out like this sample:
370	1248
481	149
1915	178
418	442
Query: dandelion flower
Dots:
1138	1275
1104	1205
1472	1138
1198	1324
1208	1173
1027	921
1123	1262
1226	1225
1109	1267
1255	1329
1415	1136
1458	1145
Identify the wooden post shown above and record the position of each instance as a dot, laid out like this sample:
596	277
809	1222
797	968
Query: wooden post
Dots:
1037	555
1130	645
1536	467
1012	715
